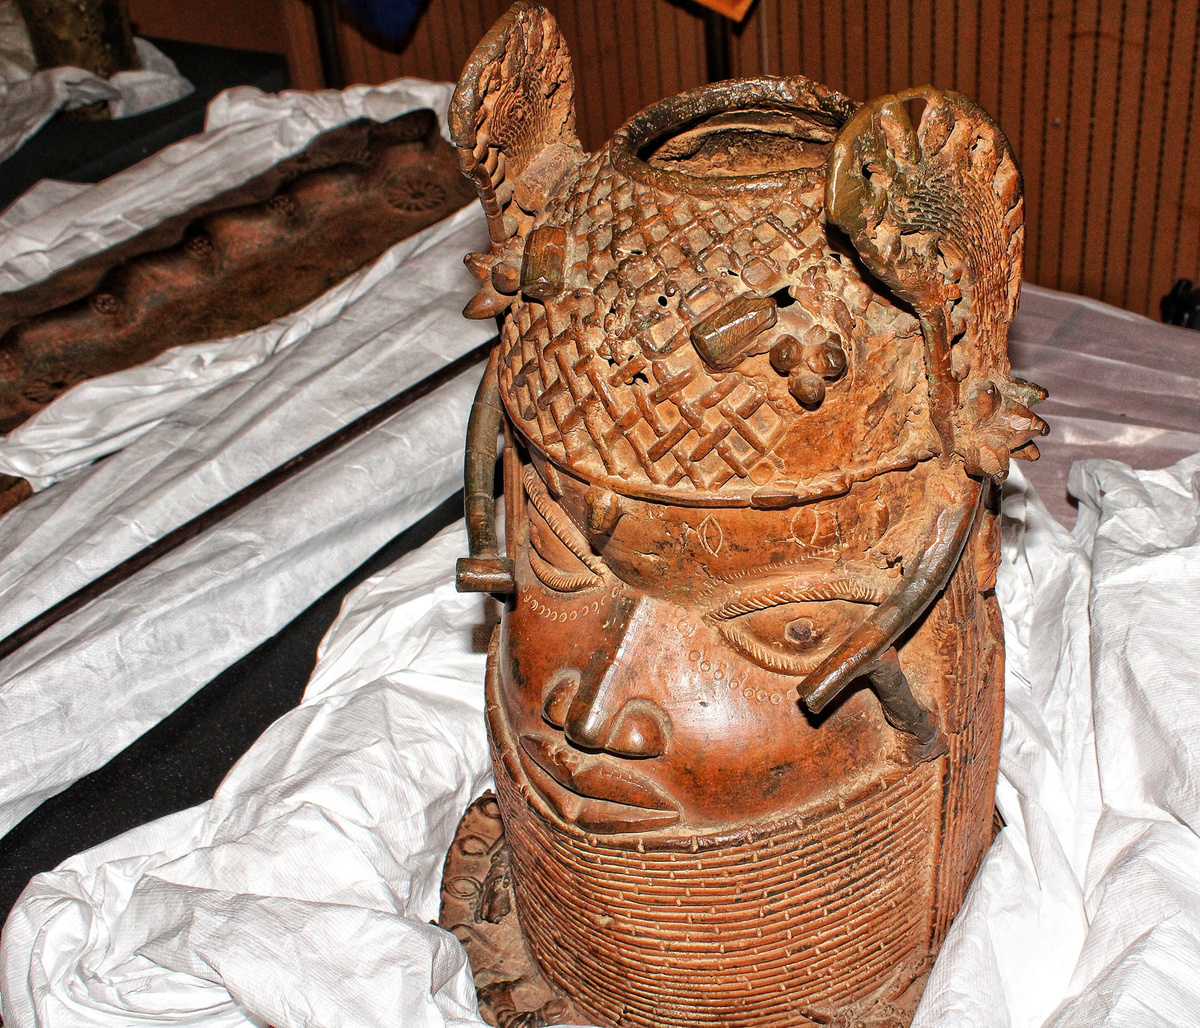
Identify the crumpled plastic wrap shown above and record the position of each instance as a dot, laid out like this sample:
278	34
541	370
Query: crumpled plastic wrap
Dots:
1086	911
81	692
29	98
1121	387
299	896
303	891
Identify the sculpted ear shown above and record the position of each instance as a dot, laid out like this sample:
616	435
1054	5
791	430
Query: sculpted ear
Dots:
925	185
513	119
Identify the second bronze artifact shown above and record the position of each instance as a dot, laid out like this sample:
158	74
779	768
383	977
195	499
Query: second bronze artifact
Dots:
238	261
746	694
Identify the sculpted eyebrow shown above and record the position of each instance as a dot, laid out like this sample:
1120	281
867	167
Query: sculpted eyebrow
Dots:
777	593
561	525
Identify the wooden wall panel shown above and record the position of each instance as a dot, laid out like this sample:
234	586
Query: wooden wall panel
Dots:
232	23
628	53
272	26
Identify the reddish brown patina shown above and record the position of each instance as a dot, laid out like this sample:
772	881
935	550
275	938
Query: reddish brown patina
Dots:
238	261
745	698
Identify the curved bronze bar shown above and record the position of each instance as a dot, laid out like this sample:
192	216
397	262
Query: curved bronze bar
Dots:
900	706
917	590
486	570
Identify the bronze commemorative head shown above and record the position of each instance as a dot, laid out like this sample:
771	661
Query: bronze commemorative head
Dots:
746	693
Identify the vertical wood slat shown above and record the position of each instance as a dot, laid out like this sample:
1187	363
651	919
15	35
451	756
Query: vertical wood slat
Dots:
1113	192
1187	233
300	36
1035	121
1154	123
1098	97
1163	225
628	53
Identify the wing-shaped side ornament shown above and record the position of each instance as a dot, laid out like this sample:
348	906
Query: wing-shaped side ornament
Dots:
513	121
925	185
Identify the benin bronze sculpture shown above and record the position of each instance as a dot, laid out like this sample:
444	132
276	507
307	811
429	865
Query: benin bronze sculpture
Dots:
745	698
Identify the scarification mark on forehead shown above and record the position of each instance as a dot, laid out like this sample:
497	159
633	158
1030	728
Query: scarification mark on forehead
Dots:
775	594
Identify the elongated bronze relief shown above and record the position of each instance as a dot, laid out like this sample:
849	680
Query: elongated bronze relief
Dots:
746	695
228	265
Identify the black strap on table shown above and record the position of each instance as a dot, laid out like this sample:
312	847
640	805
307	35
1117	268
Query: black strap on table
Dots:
242	498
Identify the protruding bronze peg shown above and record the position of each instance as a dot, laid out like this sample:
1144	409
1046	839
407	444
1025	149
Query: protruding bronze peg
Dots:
728	335
544	263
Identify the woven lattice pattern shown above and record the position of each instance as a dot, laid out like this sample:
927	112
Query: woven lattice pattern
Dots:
604	378
635	393
820	924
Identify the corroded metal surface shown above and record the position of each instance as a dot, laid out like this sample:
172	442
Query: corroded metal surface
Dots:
238	261
746	695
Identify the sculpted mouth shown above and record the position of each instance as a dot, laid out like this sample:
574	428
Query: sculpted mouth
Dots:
591	792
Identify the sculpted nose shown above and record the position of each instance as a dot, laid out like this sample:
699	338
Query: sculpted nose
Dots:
593	715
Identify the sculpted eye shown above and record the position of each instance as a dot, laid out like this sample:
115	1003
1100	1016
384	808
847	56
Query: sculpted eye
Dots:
794	638
558	552
792	628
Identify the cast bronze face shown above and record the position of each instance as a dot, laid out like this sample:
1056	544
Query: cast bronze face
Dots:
649	677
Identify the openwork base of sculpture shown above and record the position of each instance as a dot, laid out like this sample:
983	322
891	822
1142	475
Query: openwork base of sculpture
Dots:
479	908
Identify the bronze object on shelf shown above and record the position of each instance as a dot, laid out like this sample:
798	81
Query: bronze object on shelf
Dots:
215	270
91	34
746	695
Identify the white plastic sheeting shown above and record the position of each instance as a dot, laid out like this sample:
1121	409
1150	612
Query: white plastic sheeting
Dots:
29	98
1086	912
299	896
85	689
1121	387
103	415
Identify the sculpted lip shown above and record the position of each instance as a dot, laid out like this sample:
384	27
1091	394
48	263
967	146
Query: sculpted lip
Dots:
591	792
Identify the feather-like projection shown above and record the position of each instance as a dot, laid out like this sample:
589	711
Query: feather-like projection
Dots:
925	185
513	121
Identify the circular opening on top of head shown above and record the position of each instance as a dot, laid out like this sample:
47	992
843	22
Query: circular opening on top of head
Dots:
749	133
